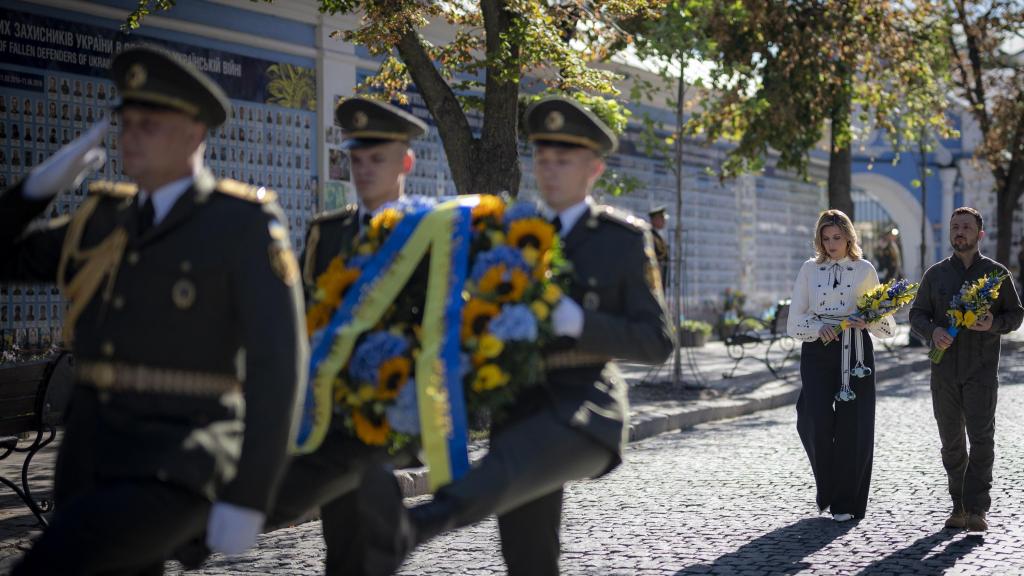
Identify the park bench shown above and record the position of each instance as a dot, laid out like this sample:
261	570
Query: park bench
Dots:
33	396
750	335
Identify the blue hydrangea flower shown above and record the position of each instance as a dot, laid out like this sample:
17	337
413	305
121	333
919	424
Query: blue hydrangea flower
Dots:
404	414
514	323
375	348
410	203
506	255
520	210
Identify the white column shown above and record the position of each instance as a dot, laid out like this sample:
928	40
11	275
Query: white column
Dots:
948	177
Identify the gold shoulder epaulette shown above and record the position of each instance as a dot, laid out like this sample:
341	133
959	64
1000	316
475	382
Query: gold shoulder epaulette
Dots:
622	218
115	189
244	191
336	214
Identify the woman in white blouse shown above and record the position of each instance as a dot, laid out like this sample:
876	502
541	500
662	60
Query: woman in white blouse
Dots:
837	427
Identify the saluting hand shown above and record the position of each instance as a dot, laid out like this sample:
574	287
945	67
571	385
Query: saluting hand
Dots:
67	168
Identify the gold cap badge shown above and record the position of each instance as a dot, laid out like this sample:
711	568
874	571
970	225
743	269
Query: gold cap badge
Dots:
554	120
136	76
360	120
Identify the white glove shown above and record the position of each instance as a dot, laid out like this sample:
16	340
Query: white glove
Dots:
69	165
567	318
233	529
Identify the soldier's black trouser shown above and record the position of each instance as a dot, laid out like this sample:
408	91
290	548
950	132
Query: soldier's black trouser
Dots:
966	410
837	436
328	479
520	479
124	527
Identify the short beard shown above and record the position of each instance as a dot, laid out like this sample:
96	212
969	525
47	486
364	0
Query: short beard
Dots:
969	247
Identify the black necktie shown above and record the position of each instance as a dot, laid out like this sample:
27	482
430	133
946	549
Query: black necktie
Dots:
146	215
365	219
557	223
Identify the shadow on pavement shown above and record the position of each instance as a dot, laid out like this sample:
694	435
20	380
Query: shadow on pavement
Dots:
781	551
921	557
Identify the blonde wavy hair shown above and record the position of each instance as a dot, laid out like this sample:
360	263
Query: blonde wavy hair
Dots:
843	222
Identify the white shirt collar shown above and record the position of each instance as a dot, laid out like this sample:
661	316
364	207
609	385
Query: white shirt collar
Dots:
165	197
570	215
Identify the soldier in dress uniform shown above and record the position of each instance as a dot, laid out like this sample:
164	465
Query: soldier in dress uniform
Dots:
574	425
657	218
377	137
186	319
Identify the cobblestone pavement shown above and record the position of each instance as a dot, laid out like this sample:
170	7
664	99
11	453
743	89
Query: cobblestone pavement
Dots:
736	497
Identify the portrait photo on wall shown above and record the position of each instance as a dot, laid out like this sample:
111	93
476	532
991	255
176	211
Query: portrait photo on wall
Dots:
338	166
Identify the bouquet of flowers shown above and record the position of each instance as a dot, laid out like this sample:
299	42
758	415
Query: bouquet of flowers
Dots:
882	300
516	277
879	302
513	267
972	302
372	393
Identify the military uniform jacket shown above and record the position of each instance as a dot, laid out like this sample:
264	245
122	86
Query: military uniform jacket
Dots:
212	290
331	234
616	281
972	354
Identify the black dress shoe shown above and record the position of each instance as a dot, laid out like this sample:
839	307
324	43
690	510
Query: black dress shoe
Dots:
389	534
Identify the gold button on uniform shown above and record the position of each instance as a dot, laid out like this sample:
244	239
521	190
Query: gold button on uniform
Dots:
118	302
133	257
107	348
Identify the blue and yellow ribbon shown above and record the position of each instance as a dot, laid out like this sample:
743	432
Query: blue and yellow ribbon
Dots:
445	232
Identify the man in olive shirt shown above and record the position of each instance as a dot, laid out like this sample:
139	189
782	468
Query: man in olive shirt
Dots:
965	382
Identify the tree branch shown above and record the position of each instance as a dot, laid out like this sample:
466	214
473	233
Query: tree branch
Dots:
974	56
456	135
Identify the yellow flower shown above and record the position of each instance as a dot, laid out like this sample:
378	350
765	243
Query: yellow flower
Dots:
391	376
552	294
536	233
970	318
476	316
366	393
506	286
540	310
383	221
491	209
316	318
489	377
374	434
335	282
531	255
490	346
497	237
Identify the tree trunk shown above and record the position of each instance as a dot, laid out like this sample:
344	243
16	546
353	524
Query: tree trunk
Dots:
496	168
1008	195
840	161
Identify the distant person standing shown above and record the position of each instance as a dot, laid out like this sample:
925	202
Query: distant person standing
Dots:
890	259
658	218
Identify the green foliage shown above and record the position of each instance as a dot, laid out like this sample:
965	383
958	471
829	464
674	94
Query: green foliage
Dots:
695	326
143	9
786	72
